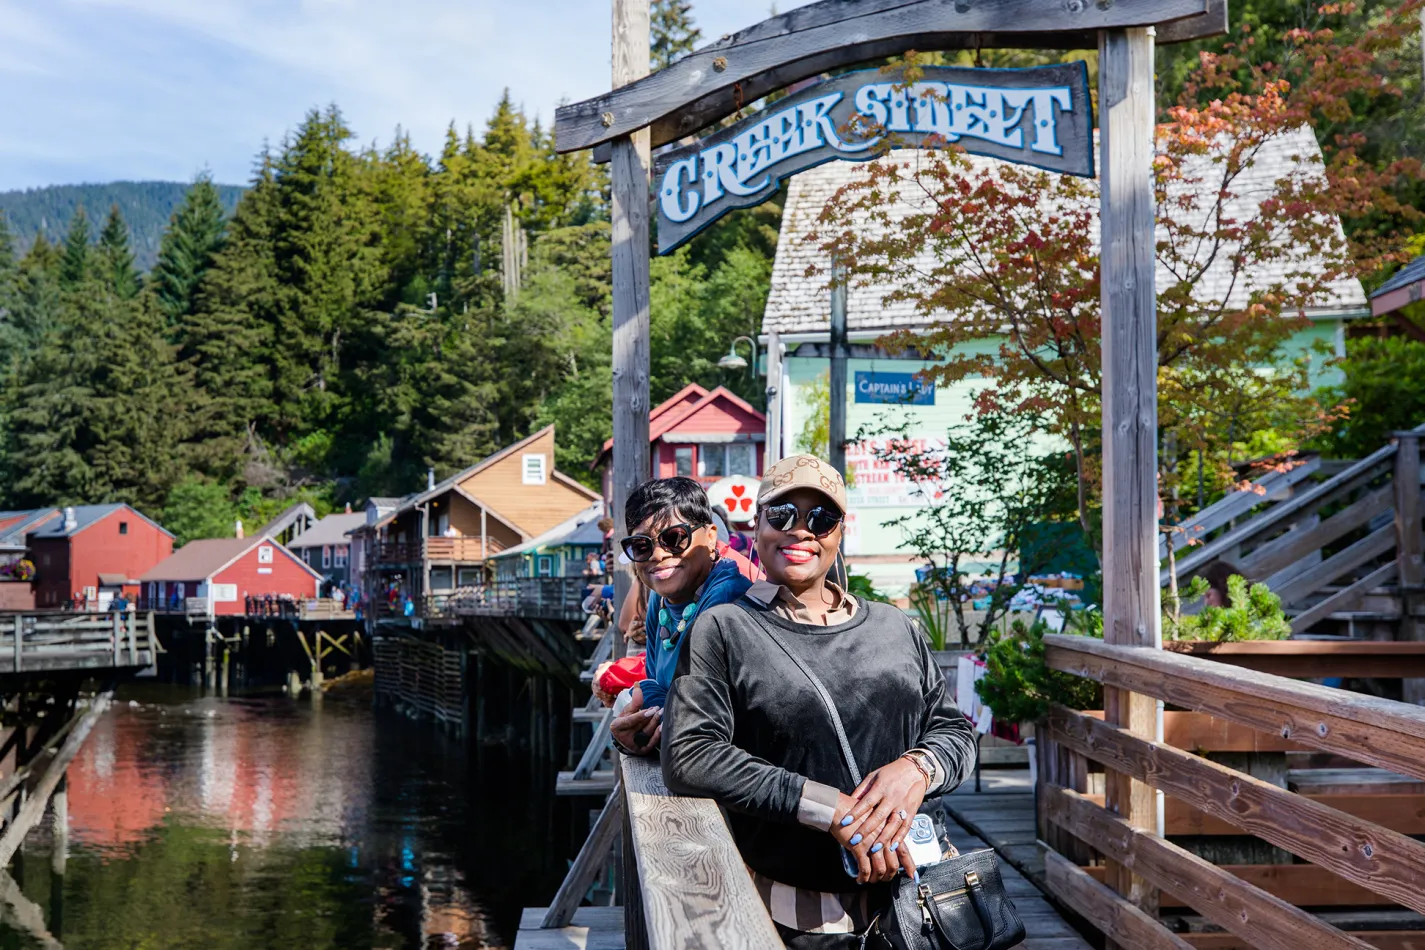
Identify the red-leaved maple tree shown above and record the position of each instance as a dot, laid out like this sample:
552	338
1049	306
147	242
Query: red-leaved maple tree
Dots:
989	252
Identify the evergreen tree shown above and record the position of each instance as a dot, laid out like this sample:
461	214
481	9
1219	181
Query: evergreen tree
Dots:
114	258
194	235
224	342
96	412
35	304
672	33
74	265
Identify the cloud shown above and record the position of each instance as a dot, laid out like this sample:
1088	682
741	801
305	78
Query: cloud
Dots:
99	90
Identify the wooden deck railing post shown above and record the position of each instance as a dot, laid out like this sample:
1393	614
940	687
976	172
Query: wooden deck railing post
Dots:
1410	571
1130	408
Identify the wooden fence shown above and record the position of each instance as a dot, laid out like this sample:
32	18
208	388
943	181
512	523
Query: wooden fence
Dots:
423	677
1353	836
51	642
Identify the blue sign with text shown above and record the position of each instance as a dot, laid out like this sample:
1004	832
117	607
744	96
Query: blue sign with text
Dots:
902	388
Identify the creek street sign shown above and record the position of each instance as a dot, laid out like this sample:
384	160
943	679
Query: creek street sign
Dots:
1040	116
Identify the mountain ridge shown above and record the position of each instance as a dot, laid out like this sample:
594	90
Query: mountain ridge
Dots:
145	205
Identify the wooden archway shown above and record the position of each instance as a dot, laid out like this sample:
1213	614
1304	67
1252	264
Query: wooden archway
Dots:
716	81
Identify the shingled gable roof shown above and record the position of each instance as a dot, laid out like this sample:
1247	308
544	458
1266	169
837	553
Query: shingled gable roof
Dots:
801	304
666	417
453	482
16	525
86	515
201	559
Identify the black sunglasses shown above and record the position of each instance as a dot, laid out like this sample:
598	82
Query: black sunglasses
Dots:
674	539
820	521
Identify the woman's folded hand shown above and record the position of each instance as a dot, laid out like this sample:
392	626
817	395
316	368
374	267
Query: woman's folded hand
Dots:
879	816
878	857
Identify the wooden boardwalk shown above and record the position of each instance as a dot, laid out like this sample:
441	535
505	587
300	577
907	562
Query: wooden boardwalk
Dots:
1001	816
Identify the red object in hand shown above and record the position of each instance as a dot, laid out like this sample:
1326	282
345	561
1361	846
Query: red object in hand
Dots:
623	674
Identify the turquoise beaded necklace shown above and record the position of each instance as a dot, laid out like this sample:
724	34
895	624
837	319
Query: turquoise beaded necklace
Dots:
665	622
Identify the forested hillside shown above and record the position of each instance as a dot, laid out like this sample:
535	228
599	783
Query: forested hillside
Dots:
145	205
346	328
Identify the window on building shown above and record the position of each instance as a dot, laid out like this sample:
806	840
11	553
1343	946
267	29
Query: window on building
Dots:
341	550
741	459
468	576
683	462
533	467
264	554
123	527
326	556
712	461
307	556
545	565
441	578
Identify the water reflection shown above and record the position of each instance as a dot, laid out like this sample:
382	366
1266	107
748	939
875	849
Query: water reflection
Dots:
256	823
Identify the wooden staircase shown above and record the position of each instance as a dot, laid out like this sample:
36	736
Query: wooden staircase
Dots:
1331	549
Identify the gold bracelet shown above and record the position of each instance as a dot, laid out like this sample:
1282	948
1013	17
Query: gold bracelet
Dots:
916	758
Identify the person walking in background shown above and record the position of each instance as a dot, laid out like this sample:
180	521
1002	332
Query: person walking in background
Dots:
749	728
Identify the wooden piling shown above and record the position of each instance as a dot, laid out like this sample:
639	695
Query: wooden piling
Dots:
629	177
1130	410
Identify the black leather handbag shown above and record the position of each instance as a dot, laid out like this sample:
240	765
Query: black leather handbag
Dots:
959	903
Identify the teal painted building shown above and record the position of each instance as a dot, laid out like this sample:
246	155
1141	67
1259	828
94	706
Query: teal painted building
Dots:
798	312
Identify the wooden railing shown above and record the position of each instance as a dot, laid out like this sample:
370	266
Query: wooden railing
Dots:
553	597
686	883
44	642
1356	843
463	550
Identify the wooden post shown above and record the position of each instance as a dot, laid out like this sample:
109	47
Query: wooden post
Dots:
1130	408
773	448
118	637
836	425
629	171
19	639
1410	572
59	816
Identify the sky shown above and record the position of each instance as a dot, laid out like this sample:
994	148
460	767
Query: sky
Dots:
107	90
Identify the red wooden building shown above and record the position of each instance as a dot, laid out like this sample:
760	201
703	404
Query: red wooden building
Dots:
701	434
89	553
225	572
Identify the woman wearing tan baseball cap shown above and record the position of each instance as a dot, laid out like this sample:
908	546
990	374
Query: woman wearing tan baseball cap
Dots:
747	724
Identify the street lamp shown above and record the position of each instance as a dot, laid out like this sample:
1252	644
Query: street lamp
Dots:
732	360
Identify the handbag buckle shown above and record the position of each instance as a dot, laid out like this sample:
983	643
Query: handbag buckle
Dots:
923	899
972	879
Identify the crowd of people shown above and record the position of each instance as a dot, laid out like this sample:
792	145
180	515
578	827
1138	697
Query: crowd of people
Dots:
754	658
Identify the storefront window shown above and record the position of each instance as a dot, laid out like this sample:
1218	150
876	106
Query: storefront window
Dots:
741	459
712	459
683	462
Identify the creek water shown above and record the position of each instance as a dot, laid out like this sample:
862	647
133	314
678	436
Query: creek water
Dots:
266	822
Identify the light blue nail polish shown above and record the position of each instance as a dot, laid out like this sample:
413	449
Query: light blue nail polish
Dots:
875	848
917	877
855	839
895	844
847	820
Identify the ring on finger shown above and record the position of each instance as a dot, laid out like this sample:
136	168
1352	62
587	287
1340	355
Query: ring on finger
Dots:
901	814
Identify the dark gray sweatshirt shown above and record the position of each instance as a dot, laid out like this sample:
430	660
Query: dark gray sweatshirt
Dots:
745	727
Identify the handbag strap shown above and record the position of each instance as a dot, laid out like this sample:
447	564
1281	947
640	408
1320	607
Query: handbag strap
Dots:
846	752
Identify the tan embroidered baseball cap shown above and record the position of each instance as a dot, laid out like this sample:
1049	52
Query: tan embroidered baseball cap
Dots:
802	471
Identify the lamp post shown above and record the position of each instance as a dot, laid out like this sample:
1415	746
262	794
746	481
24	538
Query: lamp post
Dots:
733	361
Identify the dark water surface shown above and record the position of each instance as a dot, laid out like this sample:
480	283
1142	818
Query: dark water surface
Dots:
238	824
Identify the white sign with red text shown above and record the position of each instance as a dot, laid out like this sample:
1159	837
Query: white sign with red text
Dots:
878	484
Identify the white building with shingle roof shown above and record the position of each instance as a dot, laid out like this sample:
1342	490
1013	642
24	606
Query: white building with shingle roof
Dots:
798	310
